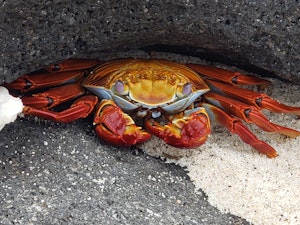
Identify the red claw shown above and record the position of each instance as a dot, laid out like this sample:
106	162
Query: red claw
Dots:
116	127
188	131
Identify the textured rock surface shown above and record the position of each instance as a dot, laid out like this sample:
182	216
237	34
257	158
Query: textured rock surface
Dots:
68	176
261	34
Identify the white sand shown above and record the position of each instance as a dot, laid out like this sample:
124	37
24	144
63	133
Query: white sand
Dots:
9	107
237	179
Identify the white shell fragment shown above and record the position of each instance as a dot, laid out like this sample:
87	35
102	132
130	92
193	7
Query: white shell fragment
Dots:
10	107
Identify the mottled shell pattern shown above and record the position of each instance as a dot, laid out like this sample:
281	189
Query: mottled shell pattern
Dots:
134	83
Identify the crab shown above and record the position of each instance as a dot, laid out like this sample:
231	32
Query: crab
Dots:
135	98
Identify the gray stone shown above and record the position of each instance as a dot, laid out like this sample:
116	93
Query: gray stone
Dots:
257	35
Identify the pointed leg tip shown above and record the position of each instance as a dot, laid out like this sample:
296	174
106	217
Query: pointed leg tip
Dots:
272	155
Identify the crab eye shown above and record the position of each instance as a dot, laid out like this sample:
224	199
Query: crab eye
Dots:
119	86
184	90
187	89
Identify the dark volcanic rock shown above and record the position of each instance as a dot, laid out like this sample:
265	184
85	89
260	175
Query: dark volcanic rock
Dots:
255	34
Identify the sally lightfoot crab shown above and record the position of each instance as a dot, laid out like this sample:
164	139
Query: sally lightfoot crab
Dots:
134	98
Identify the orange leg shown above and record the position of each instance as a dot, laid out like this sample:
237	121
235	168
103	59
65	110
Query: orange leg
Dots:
73	64
68	71
189	129
249	114
35	81
234	125
259	100
54	96
81	108
234	78
59	85
116	127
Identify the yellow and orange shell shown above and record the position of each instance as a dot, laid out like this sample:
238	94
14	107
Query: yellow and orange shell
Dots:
151	83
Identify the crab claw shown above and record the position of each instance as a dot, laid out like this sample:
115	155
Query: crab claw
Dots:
188	130
116	127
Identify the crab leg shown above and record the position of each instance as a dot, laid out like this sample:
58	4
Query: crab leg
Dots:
228	76
116	127
34	81
68	71
73	64
260	100
189	129
235	126
81	108
249	114
54	96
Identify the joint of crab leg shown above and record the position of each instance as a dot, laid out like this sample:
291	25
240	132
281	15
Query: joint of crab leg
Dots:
265	102
21	84
30	82
81	108
116	127
54	97
188	131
